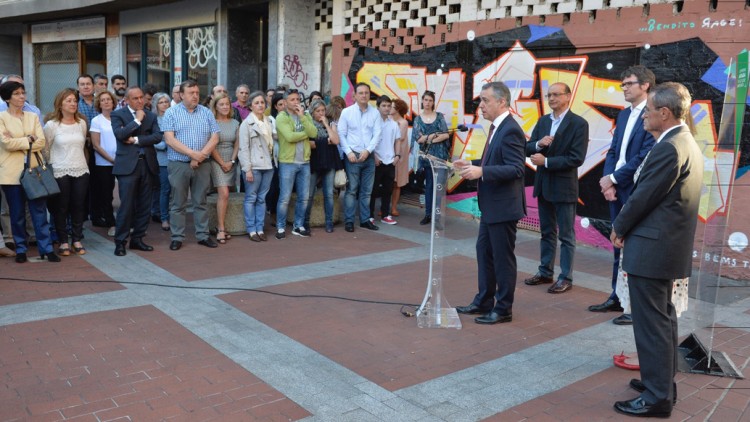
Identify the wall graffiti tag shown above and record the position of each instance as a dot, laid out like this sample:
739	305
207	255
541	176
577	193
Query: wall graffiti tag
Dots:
293	71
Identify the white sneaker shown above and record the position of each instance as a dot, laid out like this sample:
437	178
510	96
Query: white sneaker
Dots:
388	220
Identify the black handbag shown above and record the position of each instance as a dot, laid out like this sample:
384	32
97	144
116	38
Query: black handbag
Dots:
38	182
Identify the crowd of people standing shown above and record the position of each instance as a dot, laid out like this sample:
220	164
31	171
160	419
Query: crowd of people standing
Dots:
160	151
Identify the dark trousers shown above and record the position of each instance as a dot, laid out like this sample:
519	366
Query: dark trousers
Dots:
614	211
496	259
135	202
102	194
272	197
16	198
382	187
655	330
71	202
554	215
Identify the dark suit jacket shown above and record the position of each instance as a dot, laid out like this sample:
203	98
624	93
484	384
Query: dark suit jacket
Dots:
640	144
658	221
148	133
500	190
559	181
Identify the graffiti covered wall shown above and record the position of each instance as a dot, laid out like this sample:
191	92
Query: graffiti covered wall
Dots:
689	48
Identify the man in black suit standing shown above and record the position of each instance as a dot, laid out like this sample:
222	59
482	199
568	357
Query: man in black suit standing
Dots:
500	191
656	227
630	144
137	131
557	148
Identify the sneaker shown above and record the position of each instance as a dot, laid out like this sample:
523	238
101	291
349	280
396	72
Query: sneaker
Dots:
301	231
372	220
388	220
280	234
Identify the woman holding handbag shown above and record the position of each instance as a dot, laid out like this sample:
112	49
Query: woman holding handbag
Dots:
20	132
66	141
431	133
257	163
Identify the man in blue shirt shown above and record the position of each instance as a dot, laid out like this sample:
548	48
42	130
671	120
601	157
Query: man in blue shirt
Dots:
191	133
359	130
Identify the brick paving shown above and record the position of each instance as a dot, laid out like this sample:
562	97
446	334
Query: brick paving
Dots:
120	351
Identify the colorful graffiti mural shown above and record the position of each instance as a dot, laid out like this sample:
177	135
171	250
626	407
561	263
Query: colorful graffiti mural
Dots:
530	58
528	69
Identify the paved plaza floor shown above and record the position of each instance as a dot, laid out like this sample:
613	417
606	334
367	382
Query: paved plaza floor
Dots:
258	331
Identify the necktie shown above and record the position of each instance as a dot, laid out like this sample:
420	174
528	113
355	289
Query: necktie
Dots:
487	144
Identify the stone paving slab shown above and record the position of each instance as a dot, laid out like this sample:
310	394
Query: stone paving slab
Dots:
323	360
381	345
135	363
71	268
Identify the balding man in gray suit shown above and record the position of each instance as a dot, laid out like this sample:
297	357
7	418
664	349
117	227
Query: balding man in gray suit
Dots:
656	227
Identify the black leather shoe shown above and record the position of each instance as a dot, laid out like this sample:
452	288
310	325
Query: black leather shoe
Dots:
638	407
208	242
537	279
139	245
624	319
349	227
611	305
368	225
175	245
21	257
120	249
638	386
471	309
52	257
425	221
560	286
493	318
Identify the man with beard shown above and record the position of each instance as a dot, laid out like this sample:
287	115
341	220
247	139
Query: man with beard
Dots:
119	86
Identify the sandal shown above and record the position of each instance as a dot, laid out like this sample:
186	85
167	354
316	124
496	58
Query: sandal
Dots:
64	251
80	250
223	238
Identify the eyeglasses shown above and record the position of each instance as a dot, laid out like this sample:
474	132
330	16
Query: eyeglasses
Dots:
647	110
629	84
555	95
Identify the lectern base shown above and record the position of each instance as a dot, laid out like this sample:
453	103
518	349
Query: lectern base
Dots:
439	318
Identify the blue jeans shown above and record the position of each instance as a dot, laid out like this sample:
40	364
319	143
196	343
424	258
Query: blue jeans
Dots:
164	190
327	178
295	176
360	177
17	200
255	199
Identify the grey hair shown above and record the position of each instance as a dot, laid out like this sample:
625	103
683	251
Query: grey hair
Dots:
155	100
317	103
499	90
675	97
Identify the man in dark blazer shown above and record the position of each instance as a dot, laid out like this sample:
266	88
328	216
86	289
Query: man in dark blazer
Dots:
137	131
629	147
557	148
656	226
500	191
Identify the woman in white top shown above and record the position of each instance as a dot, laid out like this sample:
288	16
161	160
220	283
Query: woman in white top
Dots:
105	147
66	139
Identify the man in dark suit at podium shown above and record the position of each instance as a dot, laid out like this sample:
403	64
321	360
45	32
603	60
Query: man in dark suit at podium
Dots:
656	227
137	131
557	148
499	174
